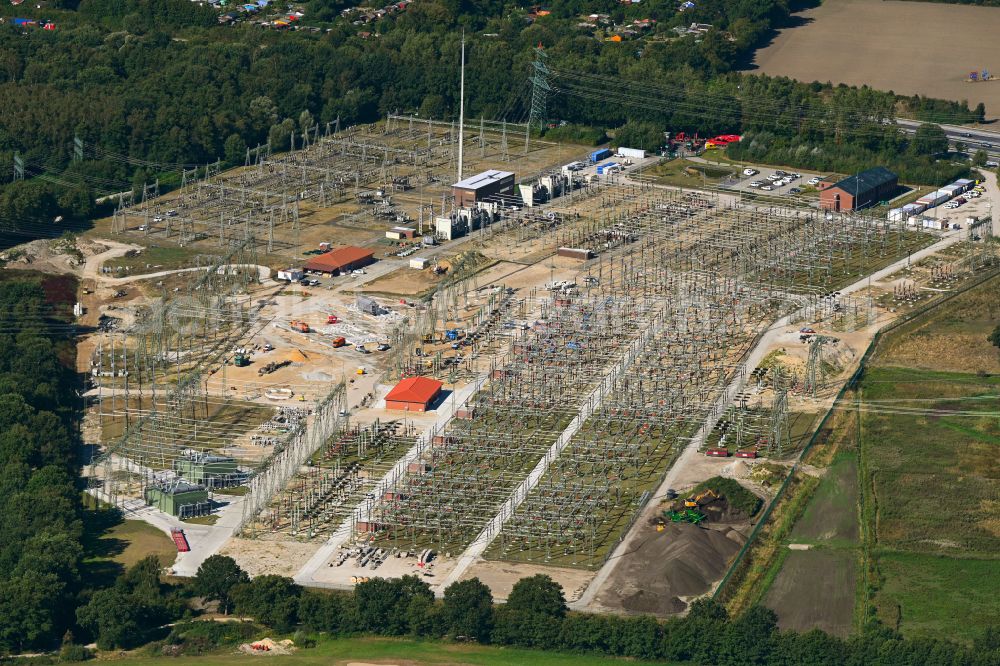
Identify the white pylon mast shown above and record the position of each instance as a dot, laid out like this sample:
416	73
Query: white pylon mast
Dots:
461	111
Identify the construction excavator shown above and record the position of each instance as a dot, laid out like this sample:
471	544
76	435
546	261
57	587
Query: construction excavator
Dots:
695	502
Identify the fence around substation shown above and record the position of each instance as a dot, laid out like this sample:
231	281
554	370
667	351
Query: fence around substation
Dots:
850	383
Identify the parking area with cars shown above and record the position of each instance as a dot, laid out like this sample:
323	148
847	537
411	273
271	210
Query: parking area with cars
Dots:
973	203
961	213
773	181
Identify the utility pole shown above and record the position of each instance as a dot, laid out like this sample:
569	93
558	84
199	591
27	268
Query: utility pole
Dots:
504	156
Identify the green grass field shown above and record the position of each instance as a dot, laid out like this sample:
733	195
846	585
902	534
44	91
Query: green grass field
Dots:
930	474
932	596
401	651
685	173
111	544
156	258
935	474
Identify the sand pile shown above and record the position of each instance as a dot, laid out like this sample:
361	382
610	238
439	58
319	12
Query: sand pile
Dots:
296	356
738	469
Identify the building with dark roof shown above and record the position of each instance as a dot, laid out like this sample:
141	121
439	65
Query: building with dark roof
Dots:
341	260
860	191
485	186
413	394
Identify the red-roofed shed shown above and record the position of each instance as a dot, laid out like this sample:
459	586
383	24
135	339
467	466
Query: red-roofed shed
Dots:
414	394
341	260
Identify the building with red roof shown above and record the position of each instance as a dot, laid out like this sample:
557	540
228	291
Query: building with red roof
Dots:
341	260
413	394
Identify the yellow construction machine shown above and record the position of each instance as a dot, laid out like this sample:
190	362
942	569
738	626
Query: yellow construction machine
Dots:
694	502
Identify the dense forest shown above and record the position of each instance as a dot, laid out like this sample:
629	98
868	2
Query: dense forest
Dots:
40	509
535	616
152	85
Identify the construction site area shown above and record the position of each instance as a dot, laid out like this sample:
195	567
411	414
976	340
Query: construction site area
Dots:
524	400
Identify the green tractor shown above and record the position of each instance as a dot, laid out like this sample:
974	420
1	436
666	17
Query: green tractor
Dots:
685	516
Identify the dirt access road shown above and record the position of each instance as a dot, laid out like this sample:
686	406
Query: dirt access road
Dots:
907	47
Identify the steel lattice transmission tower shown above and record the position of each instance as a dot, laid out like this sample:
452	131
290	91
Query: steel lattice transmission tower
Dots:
813	371
540	89
779	416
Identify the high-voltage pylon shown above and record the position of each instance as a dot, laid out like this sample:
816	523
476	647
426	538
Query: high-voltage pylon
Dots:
812	363
779	416
539	93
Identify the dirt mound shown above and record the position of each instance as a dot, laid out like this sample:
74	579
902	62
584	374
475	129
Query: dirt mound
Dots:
681	561
720	500
296	356
268	646
715	510
738	469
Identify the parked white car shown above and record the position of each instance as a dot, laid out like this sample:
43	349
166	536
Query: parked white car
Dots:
750	172
814	180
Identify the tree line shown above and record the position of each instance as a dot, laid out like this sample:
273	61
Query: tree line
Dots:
534	616
40	508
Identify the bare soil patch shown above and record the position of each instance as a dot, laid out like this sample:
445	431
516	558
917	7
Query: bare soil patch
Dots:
501	576
404	281
908	47
260	556
815	590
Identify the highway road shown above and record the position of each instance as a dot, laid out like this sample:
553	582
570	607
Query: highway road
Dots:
973	138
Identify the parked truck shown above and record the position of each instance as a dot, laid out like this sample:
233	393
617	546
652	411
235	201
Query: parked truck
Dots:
299	326
600	154
634	153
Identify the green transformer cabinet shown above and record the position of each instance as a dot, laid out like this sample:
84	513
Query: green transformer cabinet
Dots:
180	499
211	471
